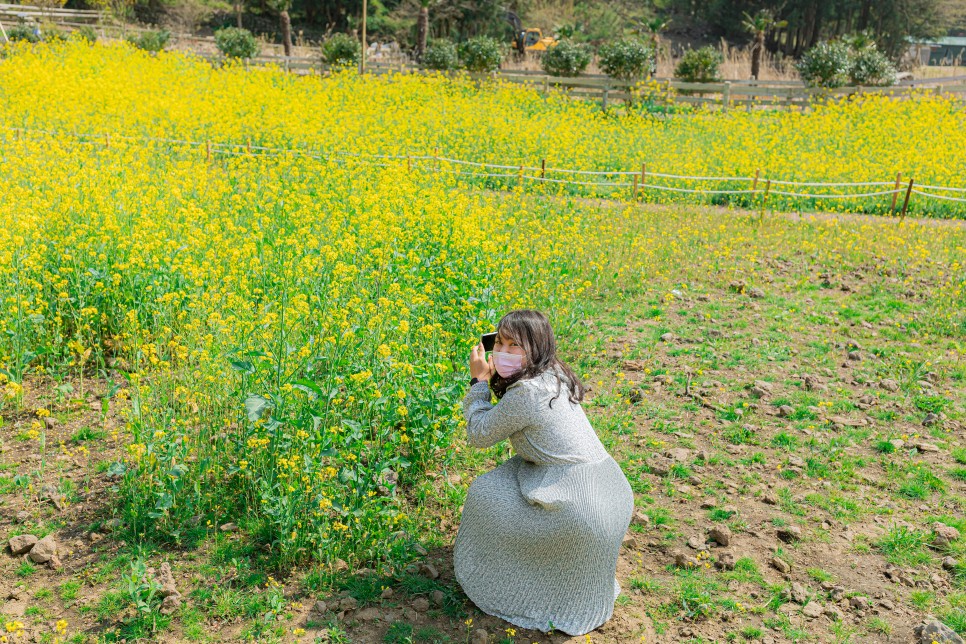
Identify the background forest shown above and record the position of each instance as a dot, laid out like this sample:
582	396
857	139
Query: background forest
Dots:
797	26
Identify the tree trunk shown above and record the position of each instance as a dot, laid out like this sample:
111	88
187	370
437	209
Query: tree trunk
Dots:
238	14
286	32
422	32
865	15
756	51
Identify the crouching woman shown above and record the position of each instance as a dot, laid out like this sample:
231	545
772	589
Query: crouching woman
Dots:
540	534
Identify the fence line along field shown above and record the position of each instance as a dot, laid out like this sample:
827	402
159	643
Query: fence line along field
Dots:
250	367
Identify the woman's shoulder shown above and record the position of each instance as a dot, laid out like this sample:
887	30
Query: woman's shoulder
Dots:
547	379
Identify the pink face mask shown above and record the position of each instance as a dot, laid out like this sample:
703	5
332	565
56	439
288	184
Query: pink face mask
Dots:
507	364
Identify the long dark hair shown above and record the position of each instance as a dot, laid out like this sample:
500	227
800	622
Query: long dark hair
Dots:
532	331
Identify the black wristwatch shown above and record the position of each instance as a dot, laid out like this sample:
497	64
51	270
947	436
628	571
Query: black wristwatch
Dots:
473	381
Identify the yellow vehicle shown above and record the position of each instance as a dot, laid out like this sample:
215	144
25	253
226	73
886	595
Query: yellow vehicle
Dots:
532	39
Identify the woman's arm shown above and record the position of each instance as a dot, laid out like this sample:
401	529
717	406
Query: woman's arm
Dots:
488	424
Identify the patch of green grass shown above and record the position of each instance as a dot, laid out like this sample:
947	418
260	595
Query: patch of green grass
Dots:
740	435
720	514
784	440
430	635
746	571
955	618
26	569
193	624
111	604
751	633
661	516
679	471
905	547
921	482
885	447
930	403
922	599
399	633
839	506
87	434
646	584
959	455
787	502
819	575
68	590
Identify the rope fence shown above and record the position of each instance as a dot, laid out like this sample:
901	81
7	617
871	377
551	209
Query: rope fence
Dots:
638	186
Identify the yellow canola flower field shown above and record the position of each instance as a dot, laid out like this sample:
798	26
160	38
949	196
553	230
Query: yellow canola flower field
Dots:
293	332
115	90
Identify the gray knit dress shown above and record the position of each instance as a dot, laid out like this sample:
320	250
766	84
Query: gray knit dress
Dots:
540	534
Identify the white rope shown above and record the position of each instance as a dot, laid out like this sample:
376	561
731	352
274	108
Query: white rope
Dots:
682	176
484	165
579	183
589	172
778	182
856	196
484	175
707	192
943	188
227	148
943	197
532	178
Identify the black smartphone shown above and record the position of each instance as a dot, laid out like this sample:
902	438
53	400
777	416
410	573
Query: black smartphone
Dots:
488	340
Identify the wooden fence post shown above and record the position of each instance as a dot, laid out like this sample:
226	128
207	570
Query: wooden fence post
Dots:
603	99
895	195
754	183
409	164
905	203
208	151
726	96
764	198
107	140
543	168
634	196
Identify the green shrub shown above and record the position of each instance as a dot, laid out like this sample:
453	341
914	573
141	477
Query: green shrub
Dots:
869	66
441	55
856	61
23	33
153	41
50	32
236	43
627	59
84	32
481	54
700	65
341	50
825	65
566	59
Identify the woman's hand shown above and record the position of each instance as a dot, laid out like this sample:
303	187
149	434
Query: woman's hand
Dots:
480	367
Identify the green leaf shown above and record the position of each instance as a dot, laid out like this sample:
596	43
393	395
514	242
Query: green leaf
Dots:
243	366
307	386
256	406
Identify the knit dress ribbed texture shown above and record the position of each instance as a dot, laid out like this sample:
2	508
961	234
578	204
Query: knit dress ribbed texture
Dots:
540	534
